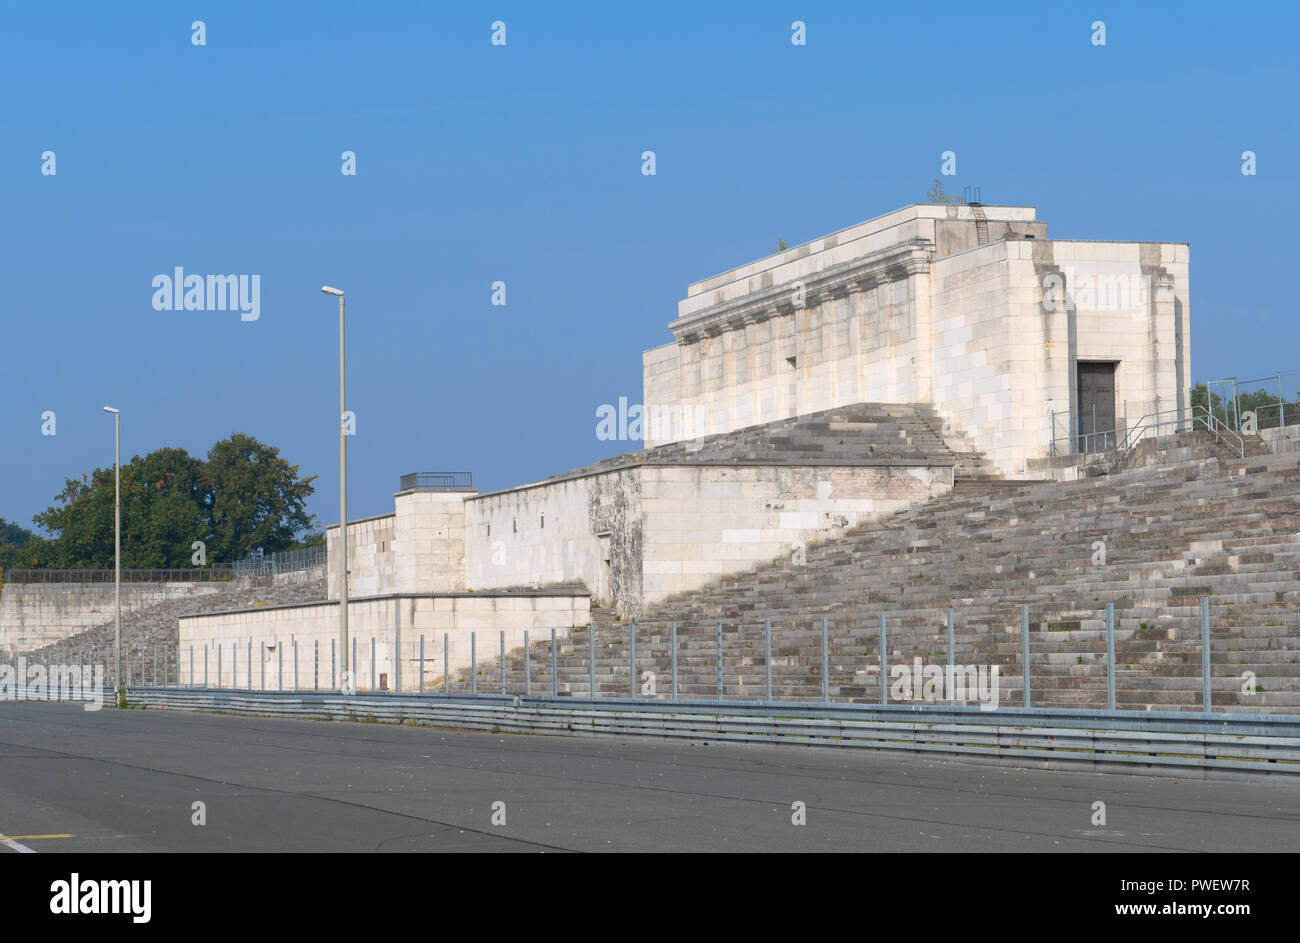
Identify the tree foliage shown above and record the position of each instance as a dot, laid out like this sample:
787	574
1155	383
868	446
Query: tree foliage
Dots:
244	497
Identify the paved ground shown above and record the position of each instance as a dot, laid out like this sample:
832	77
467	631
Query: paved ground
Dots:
72	780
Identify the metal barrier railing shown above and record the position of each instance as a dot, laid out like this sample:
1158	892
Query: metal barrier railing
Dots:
283	561
207	574
617	663
437	481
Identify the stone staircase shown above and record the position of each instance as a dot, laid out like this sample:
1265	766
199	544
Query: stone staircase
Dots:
1173	533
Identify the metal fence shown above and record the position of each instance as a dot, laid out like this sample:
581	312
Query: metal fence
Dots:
284	561
208	574
618	663
437	481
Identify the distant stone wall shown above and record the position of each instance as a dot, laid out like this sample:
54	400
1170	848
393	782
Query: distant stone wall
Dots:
33	615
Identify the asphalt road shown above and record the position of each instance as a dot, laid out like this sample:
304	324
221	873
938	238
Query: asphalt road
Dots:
78	781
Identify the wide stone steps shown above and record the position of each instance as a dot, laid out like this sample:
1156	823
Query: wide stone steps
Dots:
1173	533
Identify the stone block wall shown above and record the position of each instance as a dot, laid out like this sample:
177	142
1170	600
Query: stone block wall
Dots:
395	623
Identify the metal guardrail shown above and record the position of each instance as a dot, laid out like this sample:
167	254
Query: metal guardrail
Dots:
1101	740
437	481
208	574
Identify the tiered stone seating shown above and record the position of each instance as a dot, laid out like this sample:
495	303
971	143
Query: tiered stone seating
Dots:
1173	533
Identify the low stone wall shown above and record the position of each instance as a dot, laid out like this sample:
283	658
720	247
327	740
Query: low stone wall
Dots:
239	648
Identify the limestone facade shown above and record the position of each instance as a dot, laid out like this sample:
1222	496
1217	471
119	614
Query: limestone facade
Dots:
986	319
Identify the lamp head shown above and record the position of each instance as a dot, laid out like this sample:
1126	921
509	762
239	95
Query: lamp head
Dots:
110	409
331	291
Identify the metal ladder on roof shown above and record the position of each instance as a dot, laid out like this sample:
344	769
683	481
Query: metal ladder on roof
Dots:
981	224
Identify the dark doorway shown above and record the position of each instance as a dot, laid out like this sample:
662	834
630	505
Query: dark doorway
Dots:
1096	385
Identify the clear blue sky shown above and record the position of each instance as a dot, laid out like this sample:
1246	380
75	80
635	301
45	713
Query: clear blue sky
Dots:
522	163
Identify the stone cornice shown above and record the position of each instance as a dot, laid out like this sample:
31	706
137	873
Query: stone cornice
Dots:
861	274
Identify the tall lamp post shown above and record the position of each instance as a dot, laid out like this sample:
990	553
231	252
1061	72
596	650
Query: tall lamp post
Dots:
117	548
343	498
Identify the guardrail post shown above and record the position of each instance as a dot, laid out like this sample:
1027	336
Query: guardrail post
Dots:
884	662
528	668
1110	656
446	667
421	662
951	677
673	642
767	658
631	661
591	658
717	658
1207	703
473	664
1024	650
826	662
555	681
502	661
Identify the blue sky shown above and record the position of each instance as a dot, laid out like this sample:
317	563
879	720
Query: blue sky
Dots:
522	163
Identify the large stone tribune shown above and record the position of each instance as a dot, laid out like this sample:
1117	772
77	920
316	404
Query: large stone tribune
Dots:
873	422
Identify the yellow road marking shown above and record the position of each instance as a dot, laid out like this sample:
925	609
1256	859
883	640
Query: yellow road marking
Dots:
35	837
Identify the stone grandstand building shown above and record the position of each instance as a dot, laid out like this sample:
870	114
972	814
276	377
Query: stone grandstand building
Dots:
827	386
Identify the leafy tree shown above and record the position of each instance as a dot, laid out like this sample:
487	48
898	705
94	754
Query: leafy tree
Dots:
244	497
162	514
780	245
254	499
14	541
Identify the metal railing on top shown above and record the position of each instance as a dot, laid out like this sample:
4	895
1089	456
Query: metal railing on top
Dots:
438	481
207	574
284	561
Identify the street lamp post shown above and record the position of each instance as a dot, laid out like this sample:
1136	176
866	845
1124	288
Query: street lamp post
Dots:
343	499
117	549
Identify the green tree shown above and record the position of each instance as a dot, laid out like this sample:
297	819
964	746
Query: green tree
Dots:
254	498
14	541
244	497
162	514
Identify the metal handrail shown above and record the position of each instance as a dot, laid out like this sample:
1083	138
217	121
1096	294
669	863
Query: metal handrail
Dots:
1152	423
